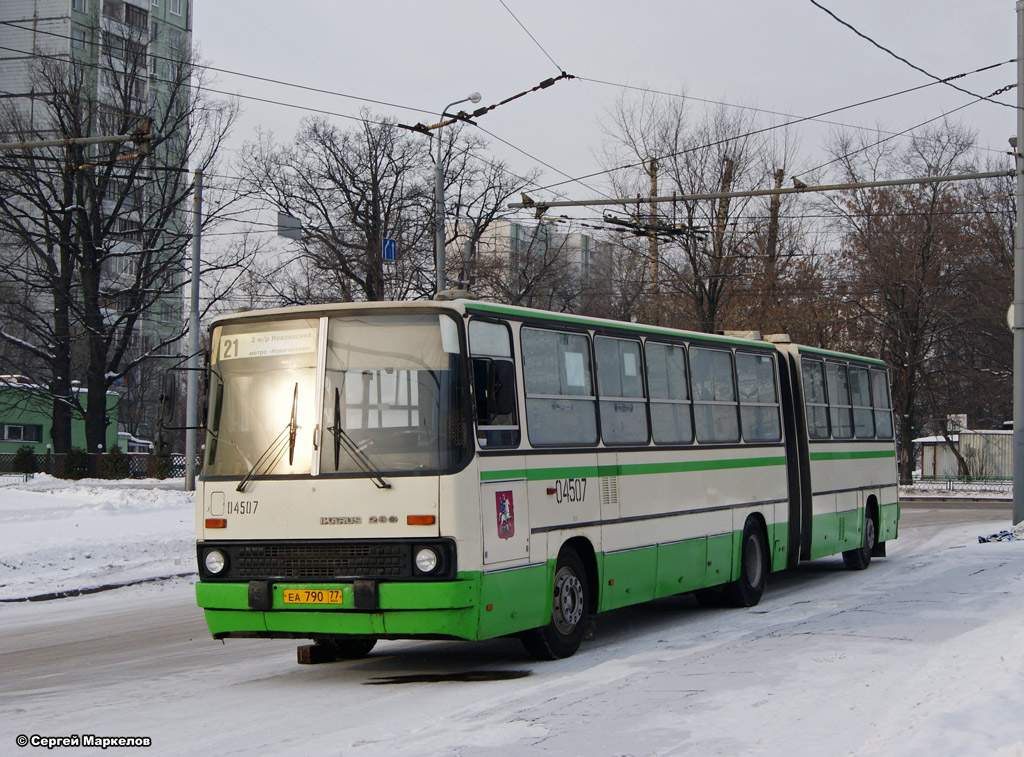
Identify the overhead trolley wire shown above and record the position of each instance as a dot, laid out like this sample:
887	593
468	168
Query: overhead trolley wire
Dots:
890	137
777	113
322	111
763	130
883	48
538	44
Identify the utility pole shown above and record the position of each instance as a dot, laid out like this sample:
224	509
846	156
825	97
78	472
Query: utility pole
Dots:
192	382
655	304
1018	286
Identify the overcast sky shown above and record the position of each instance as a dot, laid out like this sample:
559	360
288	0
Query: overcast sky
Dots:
786	56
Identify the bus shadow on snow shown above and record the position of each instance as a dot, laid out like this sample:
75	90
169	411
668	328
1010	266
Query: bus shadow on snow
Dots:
469	676
418	662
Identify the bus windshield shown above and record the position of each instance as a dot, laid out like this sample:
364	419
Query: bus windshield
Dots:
376	395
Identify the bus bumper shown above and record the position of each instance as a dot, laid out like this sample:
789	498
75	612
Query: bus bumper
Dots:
444	609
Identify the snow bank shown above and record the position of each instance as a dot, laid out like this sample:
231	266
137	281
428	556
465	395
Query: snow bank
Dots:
58	536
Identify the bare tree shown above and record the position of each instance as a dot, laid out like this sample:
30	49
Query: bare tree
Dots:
533	265
351	189
94	235
710	252
917	261
476	193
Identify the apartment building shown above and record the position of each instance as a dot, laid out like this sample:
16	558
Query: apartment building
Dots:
129	56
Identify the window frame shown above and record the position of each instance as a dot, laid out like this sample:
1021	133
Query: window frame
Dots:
670	401
758	403
603	398
30	433
530	397
486	433
834	406
820	362
861	408
876	407
714	403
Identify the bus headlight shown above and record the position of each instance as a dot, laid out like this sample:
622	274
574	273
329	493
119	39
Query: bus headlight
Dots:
426	560
215	561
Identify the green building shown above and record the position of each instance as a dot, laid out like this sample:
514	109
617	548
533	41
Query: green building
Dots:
25	418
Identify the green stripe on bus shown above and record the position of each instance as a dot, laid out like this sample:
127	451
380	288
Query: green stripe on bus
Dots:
636	469
640	469
853	455
486	307
501	475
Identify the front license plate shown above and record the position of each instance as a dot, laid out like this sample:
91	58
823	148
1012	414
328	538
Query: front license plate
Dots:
312	596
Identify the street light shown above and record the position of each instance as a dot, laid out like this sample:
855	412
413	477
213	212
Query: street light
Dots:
439	257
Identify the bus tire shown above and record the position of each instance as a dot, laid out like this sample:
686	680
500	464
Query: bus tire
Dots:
570	609
859	559
746	590
344	648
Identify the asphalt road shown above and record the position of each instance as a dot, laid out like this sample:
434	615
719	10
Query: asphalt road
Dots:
143	633
143	657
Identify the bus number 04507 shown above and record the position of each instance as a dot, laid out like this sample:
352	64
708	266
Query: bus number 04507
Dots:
570	489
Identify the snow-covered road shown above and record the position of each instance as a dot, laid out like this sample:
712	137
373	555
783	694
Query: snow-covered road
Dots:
921	653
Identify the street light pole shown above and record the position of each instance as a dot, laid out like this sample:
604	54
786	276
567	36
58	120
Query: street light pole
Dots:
439	251
1018	285
192	386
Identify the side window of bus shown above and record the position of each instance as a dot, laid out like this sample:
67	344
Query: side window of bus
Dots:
560	401
621	389
494	384
860	397
839	407
759	402
714	396
815	401
880	403
670	393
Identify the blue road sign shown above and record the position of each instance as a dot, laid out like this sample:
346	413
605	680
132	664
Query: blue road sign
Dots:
389	249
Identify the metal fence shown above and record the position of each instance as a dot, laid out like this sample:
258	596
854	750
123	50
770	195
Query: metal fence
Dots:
967	484
92	465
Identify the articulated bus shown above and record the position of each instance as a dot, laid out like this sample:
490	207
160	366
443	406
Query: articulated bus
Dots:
467	470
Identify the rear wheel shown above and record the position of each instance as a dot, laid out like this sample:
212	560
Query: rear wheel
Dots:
746	590
859	559
570	608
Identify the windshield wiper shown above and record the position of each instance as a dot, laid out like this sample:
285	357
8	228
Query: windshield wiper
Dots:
293	426
342	439
272	455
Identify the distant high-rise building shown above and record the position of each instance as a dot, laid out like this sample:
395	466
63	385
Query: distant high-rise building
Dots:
99	34
539	265
130	57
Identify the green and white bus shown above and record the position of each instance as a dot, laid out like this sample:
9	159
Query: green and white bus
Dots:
467	470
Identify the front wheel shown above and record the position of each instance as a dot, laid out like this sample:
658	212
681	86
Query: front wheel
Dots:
746	590
859	559
570	608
